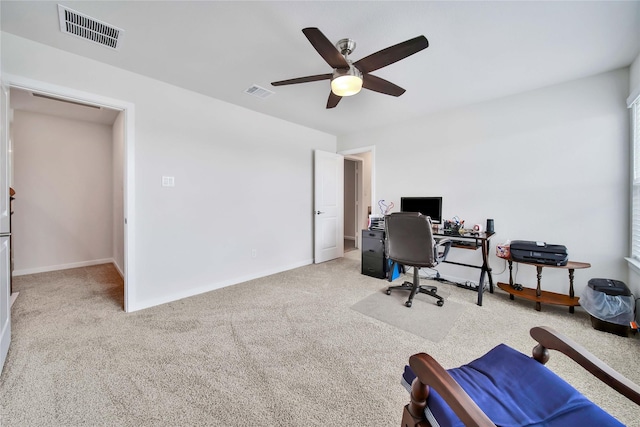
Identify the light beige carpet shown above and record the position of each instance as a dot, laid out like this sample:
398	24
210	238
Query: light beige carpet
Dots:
283	350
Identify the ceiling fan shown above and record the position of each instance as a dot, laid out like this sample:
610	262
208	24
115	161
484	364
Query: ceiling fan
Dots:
348	77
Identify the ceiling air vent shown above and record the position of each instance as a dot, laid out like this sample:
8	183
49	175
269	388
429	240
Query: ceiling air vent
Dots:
83	26
259	92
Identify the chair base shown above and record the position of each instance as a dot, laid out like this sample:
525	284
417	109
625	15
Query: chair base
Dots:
415	288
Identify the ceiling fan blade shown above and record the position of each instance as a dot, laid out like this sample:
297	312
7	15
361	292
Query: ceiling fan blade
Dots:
377	84
333	100
306	79
391	54
325	48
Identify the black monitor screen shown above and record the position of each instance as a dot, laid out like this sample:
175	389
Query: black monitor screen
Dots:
429	206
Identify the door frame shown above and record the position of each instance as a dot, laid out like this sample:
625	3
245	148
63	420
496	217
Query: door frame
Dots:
128	109
5	238
359	192
347	154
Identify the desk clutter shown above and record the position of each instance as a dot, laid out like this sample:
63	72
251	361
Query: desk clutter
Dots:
375	263
376	222
455	227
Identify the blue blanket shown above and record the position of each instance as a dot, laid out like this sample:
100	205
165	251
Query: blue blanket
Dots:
515	390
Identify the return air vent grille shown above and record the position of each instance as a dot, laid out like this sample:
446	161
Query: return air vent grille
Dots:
83	26
259	92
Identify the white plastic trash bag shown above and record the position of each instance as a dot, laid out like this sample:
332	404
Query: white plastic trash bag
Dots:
616	309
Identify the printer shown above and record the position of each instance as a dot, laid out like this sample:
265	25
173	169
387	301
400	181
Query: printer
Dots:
538	252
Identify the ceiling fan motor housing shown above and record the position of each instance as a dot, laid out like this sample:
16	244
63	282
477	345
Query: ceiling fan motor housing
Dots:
346	46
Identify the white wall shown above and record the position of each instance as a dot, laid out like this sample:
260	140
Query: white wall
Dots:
243	180
634	77
550	165
634	90
63	182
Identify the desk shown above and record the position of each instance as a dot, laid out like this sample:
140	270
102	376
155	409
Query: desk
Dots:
537	294
472	241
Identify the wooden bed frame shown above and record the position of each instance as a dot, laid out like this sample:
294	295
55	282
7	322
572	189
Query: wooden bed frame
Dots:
429	373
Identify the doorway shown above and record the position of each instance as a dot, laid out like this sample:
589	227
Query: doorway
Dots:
358	194
352	197
78	107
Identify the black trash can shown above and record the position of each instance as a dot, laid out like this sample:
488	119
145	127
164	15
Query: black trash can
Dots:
610	304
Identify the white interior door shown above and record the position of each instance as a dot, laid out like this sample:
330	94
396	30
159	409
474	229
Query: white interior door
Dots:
5	308
328	206
5	212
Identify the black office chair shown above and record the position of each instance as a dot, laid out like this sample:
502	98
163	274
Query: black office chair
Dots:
409	242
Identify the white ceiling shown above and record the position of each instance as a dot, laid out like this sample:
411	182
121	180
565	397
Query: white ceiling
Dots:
479	50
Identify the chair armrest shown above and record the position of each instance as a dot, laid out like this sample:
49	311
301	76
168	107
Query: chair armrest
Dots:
445	245
443	240
550	339
429	373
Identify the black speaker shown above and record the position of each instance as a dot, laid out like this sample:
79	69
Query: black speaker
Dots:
490	228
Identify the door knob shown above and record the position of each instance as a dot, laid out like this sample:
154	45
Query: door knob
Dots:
319	212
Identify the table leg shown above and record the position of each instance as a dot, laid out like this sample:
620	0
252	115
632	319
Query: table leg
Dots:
511	297
481	288
538	287
510	272
571	293
485	269
485	263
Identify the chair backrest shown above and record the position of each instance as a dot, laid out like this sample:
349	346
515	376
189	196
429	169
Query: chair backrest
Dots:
409	239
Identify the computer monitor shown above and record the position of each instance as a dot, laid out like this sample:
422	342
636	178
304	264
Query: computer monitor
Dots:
429	206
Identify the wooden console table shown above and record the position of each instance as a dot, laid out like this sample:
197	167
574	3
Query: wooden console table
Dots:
537	294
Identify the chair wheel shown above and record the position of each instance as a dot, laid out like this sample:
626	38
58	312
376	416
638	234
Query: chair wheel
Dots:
388	291
440	303
408	303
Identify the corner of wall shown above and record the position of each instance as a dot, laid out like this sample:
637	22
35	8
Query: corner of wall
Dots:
634	77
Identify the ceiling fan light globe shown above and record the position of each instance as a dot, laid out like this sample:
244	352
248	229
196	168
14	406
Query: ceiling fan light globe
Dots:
346	85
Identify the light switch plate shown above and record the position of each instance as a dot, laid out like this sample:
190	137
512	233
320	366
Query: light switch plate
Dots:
168	181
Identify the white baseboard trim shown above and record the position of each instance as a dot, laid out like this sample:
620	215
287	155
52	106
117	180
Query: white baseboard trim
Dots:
120	272
13	298
212	287
36	270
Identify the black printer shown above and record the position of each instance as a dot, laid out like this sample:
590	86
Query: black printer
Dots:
538	252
